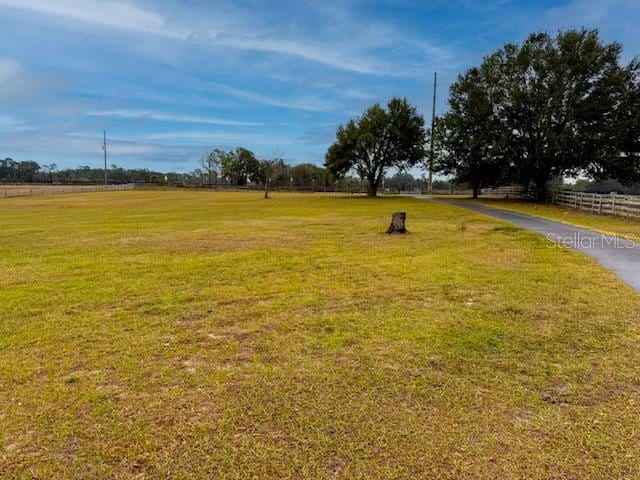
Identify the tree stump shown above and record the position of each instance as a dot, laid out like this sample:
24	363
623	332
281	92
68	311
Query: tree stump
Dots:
398	220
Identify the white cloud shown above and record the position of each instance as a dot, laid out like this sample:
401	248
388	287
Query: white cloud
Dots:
230	29
11	124
107	13
17	84
222	137
169	117
312	104
9	69
324	54
91	146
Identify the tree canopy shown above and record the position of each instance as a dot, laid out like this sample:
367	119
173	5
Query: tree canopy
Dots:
550	107
378	140
469	135
240	166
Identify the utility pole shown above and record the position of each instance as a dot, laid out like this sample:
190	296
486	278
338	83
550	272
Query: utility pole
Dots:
433	129
104	147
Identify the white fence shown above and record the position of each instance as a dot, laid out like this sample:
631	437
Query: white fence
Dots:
9	191
612	204
513	191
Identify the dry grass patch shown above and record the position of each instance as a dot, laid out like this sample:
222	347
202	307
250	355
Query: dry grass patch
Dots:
219	335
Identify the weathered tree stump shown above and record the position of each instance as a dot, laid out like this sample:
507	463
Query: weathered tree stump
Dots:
398	220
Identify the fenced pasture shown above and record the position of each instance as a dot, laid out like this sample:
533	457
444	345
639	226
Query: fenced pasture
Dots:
184	334
30	190
612	204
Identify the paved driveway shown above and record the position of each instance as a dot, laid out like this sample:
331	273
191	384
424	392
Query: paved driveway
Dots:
617	254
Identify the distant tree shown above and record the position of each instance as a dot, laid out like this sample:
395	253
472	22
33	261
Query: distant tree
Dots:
309	175
13	171
198	176
442	185
401	182
240	166
212	165
273	173
280	173
377	141
8	168
48	171
250	166
27	171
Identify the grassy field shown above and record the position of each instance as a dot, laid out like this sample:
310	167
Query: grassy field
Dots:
220	335
608	224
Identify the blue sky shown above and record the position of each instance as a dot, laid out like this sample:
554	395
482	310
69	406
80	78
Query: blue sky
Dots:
172	79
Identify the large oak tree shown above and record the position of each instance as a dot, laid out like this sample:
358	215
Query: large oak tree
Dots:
550	107
378	140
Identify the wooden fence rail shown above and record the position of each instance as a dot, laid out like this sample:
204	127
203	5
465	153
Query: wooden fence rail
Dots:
612	204
9	191
513	191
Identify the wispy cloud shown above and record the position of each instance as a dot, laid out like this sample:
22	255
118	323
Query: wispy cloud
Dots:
169	117
230	31
309	103
77	144
324	54
222	137
120	15
11	124
16	83
9	69
170	78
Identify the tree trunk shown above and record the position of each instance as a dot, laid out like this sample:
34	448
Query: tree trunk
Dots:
372	191
541	191
398	220
476	191
266	188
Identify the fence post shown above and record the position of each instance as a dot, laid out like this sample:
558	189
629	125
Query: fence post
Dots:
613	204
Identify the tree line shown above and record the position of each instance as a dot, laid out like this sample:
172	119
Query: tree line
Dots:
28	171
240	170
241	167
530	114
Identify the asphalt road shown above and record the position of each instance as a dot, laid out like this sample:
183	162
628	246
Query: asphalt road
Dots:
617	254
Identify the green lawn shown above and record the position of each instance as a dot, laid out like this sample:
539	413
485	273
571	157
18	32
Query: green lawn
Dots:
222	336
